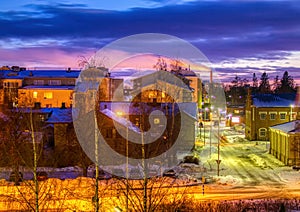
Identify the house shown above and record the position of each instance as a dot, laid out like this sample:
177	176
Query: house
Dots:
163	126
285	142
153	85
265	110
235	115
59	128
49	87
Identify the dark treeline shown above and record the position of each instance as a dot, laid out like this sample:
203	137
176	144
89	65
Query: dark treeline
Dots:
236	92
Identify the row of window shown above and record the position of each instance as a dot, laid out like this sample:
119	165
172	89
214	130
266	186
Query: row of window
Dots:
10	84
47	95
273	115
53	82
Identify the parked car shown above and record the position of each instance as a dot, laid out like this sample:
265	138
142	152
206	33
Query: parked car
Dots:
169	173
14	177
103	175
42	176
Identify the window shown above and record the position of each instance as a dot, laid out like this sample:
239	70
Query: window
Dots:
262	132
35	93
48	95
156	121
262	115
282	116
54	82
38	82
272	116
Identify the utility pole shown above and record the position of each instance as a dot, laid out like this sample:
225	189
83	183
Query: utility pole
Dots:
219	161
127	187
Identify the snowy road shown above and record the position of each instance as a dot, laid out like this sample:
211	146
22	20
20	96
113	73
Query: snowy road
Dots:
246	163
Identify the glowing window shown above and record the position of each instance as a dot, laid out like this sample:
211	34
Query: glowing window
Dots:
35	93
48	95
156	121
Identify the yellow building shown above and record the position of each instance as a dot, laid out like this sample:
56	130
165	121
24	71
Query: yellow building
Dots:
50	88
285	142
48	96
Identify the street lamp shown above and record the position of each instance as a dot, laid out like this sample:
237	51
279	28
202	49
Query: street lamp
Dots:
219	161
291	113
211	118
120	114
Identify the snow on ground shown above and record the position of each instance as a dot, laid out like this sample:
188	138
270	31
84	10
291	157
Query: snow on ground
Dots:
226	180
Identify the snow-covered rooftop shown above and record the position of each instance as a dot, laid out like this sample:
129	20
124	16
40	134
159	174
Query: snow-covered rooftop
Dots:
120	120
286	127
274	100
60	115
40	74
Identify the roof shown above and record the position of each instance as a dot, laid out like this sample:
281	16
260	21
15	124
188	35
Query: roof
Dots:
287	127
120	120
138	108
274	100
60	115
40	74
50	87
152	77
33	110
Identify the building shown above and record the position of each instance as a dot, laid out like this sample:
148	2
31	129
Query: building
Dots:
285	142
118	121
156	85
50	88
265	110
235	115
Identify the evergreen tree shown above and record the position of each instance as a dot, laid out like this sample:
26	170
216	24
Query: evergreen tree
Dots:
287	84
264	86
276	84
254	83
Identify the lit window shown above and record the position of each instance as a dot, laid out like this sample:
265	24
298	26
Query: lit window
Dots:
236	111
282	116
262	132
156	121
35	93
48	95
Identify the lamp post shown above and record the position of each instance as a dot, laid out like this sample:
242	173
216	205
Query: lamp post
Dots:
219	161
210	134
291	113
127	187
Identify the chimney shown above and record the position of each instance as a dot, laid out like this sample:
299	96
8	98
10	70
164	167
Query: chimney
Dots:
63	105
37	105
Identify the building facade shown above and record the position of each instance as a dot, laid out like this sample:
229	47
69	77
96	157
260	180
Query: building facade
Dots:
285	142
265	110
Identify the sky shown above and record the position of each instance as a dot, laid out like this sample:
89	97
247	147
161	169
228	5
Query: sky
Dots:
238	37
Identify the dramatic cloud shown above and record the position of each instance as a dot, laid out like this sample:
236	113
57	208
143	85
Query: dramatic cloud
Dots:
233	34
